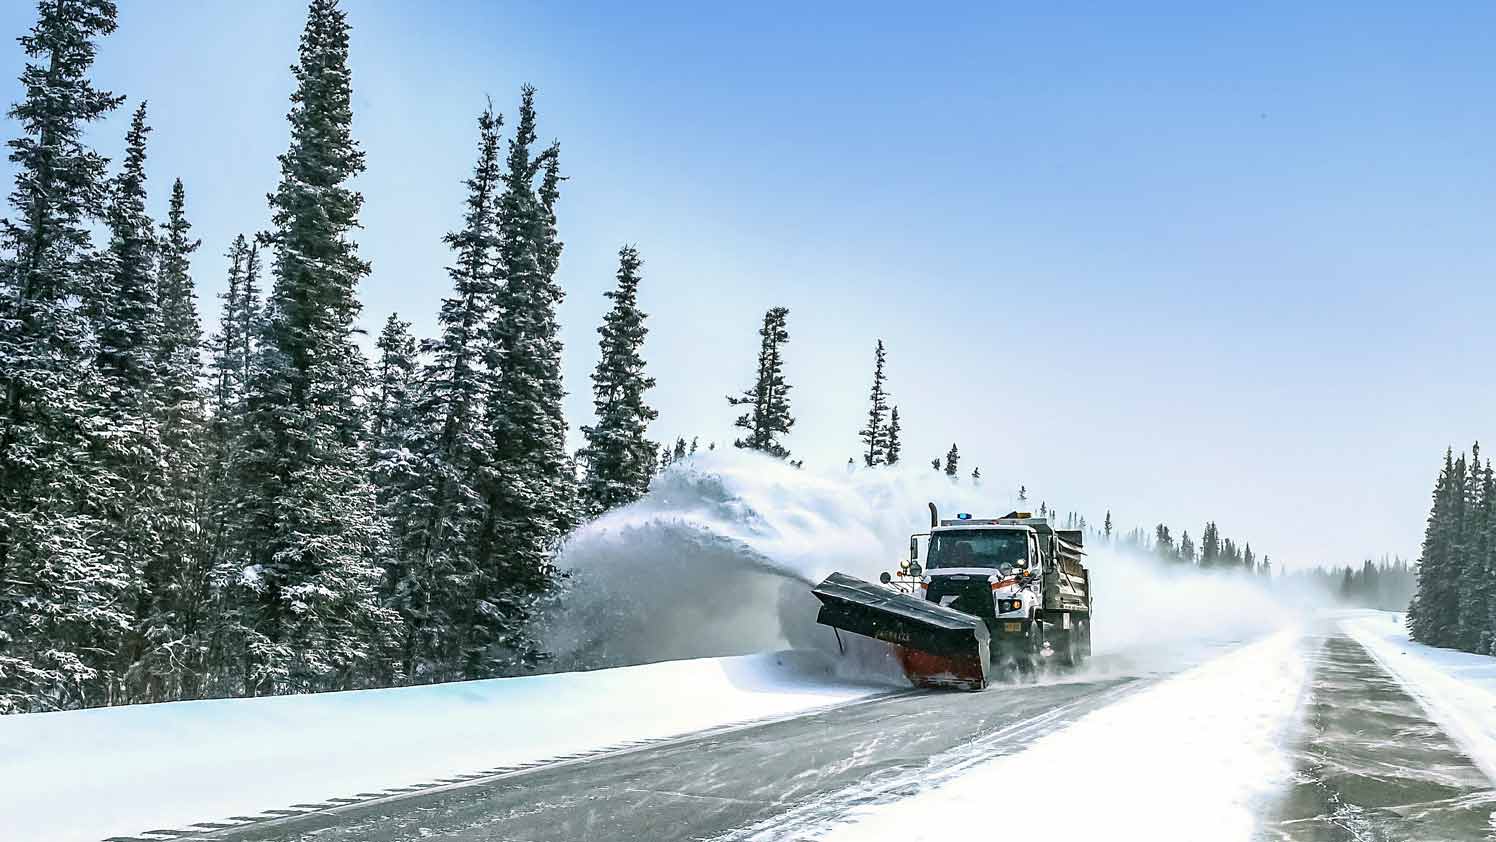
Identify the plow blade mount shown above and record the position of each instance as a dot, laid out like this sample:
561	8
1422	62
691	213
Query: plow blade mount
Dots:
938	647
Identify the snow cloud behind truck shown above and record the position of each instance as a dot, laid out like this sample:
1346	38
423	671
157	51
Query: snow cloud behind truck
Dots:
720	556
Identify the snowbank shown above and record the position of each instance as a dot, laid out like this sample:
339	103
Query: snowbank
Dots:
1457	688
1194	757
87	775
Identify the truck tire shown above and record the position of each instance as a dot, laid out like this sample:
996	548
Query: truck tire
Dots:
1068	651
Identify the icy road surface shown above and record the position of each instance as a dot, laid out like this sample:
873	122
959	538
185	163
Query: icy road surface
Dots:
808	769
1302	736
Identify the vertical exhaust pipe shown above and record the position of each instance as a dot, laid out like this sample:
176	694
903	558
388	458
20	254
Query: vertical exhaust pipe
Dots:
934	516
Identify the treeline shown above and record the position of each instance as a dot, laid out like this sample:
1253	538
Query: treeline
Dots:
265	510
1213	551
1386	584
1455	602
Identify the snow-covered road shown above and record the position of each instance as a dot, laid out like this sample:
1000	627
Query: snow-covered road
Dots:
1307	734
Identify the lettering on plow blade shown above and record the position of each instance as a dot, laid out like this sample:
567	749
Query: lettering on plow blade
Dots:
938	646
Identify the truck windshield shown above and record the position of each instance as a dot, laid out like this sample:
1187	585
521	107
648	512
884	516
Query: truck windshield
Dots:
977	548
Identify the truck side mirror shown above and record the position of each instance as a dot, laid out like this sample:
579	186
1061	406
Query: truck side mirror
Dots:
915	571
913	548
884	577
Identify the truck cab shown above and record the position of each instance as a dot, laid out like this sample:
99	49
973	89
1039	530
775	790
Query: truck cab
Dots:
1019	575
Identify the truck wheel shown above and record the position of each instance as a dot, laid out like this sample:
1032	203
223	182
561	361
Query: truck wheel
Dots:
1068	652
1026	657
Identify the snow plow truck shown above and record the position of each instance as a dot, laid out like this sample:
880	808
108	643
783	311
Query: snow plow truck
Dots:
994	595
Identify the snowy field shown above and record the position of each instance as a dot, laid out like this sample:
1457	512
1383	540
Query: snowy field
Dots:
87	775
1457	688
1209	742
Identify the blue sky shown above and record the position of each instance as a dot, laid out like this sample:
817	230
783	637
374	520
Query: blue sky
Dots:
1177	261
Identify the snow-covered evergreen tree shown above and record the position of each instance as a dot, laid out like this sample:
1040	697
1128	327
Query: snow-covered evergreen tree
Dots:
231	355
893	448
1473	630
1210	546
530	486
303	561
59	601
875	436
1433	616
768	415
435	585
619	458
952	461
395	431
176	579
130	496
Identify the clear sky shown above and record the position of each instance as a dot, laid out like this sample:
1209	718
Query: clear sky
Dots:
1179	261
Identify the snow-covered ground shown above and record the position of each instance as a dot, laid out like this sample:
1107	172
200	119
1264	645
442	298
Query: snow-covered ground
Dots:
1195	757
87	775
1457	688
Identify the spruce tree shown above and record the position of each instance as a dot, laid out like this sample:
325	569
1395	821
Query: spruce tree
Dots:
59	601
174	643
619	458
303	561
875	434
1163	543
128	496
1430	618
893	448
396	431
231	352
952	460
1473	610
1106	527
768	415
976	476
437	589
530	487
1210	546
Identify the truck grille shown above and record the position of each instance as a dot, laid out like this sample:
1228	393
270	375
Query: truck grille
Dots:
972	596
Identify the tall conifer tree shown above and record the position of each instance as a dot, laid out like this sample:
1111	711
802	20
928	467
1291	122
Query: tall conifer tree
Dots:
58	601
128	495
308	531
619	459
875	434
530	485
174	647
768	415
437	590
893	450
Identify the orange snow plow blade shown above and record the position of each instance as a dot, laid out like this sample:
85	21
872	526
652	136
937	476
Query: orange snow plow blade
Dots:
938	647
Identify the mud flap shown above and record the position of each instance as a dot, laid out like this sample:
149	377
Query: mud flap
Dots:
939	646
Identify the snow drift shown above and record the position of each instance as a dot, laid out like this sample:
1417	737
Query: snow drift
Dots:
719	557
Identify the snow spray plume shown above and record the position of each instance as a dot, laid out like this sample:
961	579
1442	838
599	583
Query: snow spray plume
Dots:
719	558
